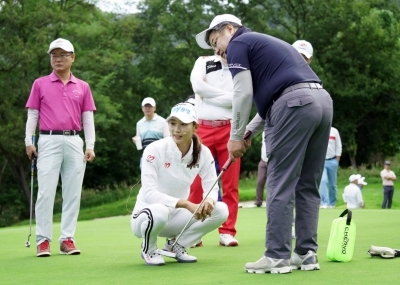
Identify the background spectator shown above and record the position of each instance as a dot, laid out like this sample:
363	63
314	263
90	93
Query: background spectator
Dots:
388	177
352	195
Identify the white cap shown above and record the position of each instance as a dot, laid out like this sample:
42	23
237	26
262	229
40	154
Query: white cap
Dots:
304	47
149	100
361	181
200	38
184	112
62	44
354	177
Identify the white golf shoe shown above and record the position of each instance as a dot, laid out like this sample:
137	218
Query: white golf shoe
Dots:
153	258
306	262
267	264
227	240
180	251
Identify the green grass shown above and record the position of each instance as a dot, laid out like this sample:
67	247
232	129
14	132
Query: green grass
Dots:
111	255
372	195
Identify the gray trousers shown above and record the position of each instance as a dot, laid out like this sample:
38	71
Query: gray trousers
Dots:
297	131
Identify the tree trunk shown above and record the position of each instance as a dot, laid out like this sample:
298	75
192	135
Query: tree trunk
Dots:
353	162
3	169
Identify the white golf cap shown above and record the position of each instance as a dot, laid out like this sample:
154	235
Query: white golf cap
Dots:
62	44
149	100
184	112
361	181
200	38
304	47
354	177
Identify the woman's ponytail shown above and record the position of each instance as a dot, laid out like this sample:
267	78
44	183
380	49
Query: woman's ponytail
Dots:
196	150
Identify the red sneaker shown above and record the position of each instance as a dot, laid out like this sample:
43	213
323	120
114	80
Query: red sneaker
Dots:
43	249
68	247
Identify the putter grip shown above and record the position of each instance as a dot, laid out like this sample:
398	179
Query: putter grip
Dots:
247	135
33	157
226	165
229	162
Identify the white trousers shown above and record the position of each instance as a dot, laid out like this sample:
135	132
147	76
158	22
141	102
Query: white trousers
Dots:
58	154
157	220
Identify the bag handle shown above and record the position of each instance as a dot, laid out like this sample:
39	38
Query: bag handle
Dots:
349	216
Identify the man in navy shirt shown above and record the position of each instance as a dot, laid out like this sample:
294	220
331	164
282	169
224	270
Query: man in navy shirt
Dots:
296	114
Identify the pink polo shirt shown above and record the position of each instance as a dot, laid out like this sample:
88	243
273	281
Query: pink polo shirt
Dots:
60	106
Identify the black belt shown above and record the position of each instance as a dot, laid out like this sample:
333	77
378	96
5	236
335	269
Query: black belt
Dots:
310	85
64	133
330	158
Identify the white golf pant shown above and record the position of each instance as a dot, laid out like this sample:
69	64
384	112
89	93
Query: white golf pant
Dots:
58	154
158	220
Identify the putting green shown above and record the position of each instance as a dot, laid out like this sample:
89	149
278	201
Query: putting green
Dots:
111	255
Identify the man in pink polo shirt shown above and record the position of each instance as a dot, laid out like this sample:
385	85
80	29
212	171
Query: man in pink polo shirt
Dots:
59	101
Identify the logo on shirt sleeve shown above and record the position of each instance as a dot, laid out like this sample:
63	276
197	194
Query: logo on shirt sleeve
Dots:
150	158
237	65
167	165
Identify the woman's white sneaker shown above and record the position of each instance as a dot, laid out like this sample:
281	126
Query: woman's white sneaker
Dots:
180	251
153	258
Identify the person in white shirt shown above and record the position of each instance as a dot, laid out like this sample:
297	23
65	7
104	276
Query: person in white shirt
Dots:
261	174
352	195
151	127
328	186
388	177
212	84
162	210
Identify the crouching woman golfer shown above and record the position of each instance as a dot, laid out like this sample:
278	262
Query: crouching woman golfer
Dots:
169	167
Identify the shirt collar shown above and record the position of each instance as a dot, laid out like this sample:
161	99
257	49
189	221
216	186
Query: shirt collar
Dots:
53	77
174	151
152	119
240	31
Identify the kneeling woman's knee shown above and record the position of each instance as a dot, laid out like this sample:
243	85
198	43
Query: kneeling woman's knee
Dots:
153	217
221	211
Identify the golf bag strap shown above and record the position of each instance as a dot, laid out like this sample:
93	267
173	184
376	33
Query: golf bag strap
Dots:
349	216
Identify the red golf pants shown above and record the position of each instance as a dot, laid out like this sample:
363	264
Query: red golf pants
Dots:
216	139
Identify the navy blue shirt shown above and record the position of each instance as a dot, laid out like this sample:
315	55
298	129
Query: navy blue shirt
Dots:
273	63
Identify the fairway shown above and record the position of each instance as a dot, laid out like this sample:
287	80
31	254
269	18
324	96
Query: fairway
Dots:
111	255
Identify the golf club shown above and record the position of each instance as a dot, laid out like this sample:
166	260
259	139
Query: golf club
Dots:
173	254
33	158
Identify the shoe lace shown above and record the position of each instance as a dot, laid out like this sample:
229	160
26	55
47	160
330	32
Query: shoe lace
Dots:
226	236
154	253
44	245
177	248
69	243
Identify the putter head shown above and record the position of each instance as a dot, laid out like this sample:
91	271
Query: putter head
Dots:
384	252
27	244
167	253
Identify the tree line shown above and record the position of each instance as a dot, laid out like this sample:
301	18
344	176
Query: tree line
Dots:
126	57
